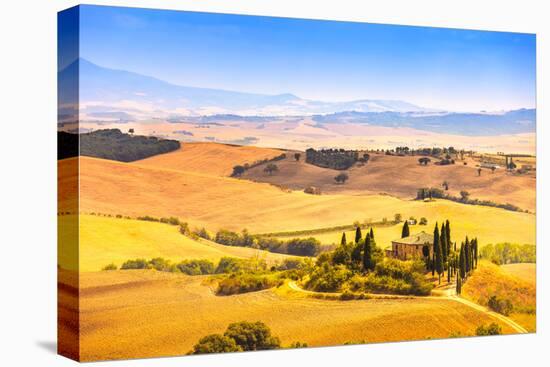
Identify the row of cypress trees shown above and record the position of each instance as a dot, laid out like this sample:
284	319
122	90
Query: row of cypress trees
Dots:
467	262
446	258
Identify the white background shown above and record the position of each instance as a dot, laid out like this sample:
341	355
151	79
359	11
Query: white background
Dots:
28	181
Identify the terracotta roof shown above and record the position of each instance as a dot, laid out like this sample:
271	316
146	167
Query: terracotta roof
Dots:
416	239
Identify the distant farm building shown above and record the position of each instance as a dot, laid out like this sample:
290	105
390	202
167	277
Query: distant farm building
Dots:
411	247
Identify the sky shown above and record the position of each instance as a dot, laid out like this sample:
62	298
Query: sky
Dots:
456	70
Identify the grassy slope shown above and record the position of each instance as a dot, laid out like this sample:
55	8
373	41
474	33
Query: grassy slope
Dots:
179	310
490	279
111	240
218	202
402	176
527	272
210	158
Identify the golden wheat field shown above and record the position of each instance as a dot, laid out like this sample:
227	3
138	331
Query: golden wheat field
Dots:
492	280
106	240
221	202
211	158
384	234
181	309
403	176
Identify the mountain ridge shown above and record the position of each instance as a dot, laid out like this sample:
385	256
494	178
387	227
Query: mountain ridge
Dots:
111	95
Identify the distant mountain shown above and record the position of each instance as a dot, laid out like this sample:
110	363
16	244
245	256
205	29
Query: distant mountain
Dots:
474	124
122	96
107	91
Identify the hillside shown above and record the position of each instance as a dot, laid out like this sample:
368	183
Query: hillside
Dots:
222	202
491	280
105	240
180	310
210	158
524	271
402	177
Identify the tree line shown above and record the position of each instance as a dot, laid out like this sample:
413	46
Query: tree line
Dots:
339	159
116	145
239	169
436	193
295	246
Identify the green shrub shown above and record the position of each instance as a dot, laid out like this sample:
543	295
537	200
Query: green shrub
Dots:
160	264
252	336
228	238
111	266
172	221
216	343
303	247
394	276
491	329
135	264
244	283
328	278
502	306
148	218
202	233
291	264
234	265
196	267
298	345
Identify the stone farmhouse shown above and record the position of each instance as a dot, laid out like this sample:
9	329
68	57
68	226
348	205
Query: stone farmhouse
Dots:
411	247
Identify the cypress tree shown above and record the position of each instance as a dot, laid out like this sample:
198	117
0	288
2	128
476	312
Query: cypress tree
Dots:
438	253
371	234
448	236
436	239
467	256
343	241
356	254
405	231
443	241
462	263
475	253
458	285
367	254
358	235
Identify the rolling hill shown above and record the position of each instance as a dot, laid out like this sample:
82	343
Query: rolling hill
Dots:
210	158
492	280
105	240
180	310
402	177
221	202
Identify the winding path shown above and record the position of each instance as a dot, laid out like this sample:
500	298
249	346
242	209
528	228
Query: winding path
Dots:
448	294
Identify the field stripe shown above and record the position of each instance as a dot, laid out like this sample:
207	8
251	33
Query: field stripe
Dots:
292	285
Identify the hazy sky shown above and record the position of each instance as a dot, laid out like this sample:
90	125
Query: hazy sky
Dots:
333	61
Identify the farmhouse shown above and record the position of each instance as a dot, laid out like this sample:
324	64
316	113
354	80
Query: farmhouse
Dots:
411	247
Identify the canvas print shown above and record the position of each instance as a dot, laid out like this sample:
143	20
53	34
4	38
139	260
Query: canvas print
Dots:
233	183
